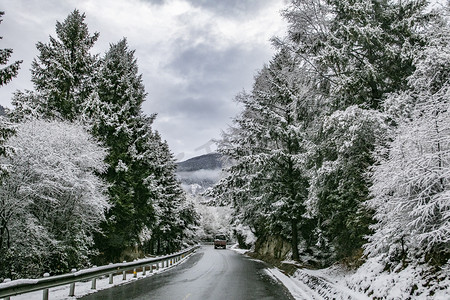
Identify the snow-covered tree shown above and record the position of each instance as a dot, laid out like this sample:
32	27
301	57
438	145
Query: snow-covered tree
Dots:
9	72
364	48
148	203
52	201
114	114
339	186
411	191
268	181
174	214
62	73
6	74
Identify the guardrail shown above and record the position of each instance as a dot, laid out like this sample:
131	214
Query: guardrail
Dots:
22	286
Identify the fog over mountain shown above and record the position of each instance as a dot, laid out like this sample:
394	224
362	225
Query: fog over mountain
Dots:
199	173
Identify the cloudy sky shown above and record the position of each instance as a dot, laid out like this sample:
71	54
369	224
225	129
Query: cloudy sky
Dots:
195	55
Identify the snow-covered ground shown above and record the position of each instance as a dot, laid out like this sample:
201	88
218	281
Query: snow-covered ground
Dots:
368	282
317	284
84	288
236	248
412	282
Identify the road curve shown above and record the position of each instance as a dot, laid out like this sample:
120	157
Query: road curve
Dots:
208	274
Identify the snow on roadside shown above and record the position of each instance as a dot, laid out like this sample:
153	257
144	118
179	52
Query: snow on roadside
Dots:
329	283
317	284
236	248
297	289
368	282
313	284
84	288
412	282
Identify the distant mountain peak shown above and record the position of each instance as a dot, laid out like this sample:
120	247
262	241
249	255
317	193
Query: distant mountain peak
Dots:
199	173
210	161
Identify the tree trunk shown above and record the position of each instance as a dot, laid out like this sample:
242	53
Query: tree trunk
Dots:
294	240
151	246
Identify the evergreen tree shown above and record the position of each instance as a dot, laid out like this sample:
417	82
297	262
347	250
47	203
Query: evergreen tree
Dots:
115	113
174	215
340	186
363	50
268	146
145	194
9	72
6	130
62	74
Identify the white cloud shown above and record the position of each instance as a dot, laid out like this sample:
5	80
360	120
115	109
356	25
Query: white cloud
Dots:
194	57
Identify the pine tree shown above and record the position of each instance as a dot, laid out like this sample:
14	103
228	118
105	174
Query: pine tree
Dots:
115	113
62	73
268	146
6	130
340	186
9	72
145	193
173	214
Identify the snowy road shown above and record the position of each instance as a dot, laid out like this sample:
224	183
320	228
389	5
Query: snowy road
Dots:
208	274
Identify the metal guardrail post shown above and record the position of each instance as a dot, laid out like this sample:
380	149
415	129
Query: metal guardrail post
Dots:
94	284
72	285
7	280
111	280
45	291
94	281
124	273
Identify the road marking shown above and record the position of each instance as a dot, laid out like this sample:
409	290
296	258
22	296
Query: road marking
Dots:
187	296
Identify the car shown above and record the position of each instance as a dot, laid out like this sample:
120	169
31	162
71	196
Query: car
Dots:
220	241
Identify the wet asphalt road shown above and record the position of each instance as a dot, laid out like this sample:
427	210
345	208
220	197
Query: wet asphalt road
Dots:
208	274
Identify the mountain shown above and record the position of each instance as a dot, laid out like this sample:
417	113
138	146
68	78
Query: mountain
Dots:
209	161
199	173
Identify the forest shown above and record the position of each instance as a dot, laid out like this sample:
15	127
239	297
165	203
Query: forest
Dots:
85	178
342	148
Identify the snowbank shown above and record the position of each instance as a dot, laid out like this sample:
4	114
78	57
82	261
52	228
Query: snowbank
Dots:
370	281
412	282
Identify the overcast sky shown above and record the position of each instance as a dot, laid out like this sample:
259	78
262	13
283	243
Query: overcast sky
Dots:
195	55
